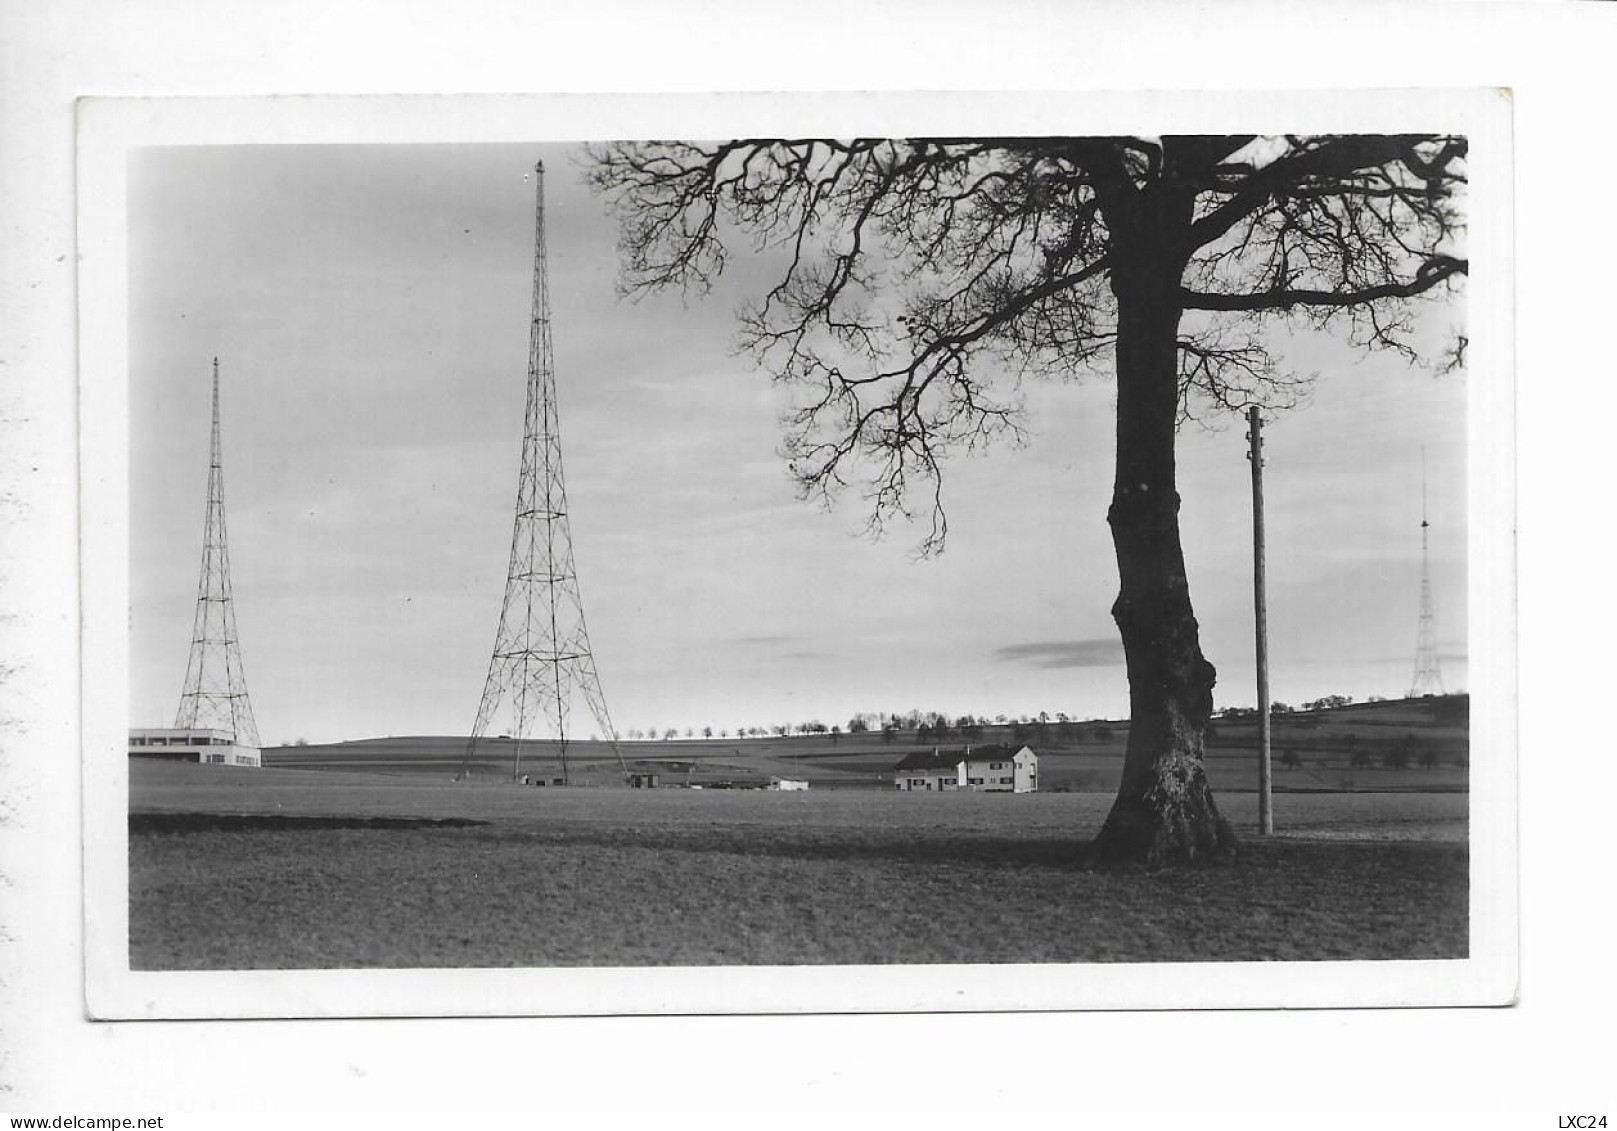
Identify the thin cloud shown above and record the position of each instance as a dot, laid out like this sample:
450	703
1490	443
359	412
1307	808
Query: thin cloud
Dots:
1101	653
782	647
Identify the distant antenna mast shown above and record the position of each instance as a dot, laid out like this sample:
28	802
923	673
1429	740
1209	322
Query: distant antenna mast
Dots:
541	651
1428	678
215	695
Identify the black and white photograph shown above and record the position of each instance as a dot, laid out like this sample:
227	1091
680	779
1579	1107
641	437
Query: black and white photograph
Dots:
756	563
1001	553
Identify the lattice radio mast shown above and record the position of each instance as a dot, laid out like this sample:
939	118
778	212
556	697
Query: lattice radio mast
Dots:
1428	678
215	695
541	651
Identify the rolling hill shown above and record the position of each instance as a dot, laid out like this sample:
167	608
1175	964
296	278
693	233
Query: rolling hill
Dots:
1396	745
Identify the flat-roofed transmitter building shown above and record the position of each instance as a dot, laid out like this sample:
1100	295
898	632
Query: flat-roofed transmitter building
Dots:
187	744
984	769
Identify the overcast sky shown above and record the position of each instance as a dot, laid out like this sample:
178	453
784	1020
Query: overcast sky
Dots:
369	307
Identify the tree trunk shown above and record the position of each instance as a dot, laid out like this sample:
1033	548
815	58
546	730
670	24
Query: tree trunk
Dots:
1164	813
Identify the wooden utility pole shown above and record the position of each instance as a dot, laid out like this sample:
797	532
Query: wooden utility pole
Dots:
1266	817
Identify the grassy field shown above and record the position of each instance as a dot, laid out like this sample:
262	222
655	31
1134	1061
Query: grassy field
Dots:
288	868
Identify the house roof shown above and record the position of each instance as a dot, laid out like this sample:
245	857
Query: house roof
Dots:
987	754
997	753
931	760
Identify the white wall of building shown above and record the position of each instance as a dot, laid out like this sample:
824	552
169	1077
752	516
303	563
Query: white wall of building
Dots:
209	747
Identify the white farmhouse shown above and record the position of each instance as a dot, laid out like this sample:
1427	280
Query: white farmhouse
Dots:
928	770
995	769
981	769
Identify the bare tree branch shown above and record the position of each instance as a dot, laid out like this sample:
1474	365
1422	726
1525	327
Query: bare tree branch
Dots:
1430	274
915	274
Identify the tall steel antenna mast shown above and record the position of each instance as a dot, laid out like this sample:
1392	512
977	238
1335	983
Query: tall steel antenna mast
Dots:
215	694
542	650
1428	678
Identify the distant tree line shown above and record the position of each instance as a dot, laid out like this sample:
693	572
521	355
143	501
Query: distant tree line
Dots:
923	726
938	727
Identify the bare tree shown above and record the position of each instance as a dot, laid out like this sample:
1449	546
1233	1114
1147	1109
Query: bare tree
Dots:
919	280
